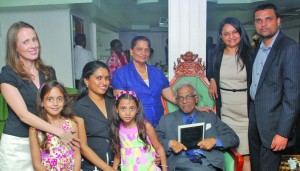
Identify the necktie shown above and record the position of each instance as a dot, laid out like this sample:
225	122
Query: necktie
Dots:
189	120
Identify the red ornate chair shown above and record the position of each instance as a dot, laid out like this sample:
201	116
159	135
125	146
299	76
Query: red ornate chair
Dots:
190	69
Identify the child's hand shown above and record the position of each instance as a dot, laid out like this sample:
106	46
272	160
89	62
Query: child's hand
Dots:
157	159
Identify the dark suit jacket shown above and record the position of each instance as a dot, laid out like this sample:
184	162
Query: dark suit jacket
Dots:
213	71
277	100
167	130
210	51
97	128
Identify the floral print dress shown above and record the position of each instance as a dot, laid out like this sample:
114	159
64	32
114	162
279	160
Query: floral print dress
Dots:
133	155
59	157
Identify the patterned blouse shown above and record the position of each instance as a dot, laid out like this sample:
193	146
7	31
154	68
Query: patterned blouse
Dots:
114	62
59	157
133	155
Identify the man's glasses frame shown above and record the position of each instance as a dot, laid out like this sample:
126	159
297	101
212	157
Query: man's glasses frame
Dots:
188	97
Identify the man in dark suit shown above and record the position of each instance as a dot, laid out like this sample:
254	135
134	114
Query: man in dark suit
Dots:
274	91
218	136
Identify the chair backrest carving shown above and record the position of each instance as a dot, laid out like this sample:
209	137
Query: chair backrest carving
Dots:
189	65
189	68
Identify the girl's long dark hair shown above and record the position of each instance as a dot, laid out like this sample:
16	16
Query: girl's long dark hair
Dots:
115	121
245	50
42	113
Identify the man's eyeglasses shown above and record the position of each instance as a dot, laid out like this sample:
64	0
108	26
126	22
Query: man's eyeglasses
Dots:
187	98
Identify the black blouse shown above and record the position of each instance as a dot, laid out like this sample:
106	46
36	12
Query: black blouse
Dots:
13	125
97	129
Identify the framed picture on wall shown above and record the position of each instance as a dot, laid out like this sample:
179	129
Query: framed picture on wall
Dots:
77	26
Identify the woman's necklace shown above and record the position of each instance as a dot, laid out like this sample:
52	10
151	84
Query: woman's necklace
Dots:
33	73
32	77
140	72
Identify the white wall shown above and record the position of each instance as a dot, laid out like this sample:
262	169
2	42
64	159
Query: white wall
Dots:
104	37
187	29
54	31
293	33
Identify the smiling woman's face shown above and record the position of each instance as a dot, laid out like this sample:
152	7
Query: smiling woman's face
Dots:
27	45
98	82
230	36
141	51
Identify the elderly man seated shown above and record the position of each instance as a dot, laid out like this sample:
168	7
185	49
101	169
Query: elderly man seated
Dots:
217	135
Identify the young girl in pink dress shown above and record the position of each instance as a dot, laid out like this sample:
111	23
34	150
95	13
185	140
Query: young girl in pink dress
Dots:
47	150
134	139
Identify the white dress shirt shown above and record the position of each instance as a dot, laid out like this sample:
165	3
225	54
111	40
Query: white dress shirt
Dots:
82	56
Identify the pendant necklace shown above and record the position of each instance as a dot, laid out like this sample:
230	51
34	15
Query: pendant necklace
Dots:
142	74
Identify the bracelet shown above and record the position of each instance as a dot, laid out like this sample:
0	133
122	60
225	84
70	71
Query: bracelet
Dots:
211	79
164	165
63	135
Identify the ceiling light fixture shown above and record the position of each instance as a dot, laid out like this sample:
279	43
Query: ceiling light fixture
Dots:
145	1
163	22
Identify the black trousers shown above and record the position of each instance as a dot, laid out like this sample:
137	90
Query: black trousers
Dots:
261	158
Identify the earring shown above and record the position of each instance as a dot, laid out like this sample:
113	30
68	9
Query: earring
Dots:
87	86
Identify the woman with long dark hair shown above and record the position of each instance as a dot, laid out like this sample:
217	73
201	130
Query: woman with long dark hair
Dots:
93	109
228	80
135	142
47	150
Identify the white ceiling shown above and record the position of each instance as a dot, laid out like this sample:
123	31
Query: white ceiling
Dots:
125	15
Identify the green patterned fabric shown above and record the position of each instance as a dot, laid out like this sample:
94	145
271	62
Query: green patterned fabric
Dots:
133	154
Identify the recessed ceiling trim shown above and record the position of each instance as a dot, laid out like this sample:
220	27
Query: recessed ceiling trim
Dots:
234	1
17	3
140	27
145	1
